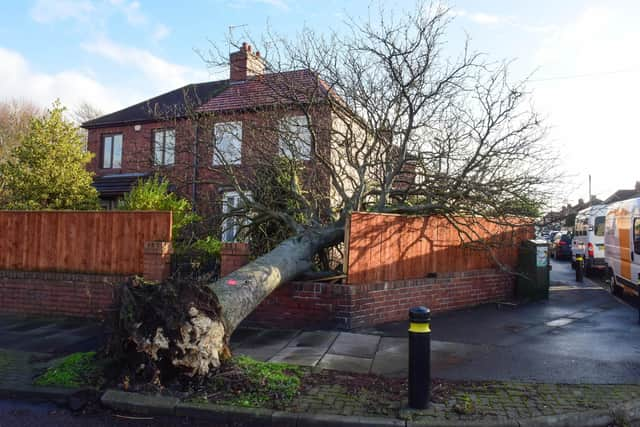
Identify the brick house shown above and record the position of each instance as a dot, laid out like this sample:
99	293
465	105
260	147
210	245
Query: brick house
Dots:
174	134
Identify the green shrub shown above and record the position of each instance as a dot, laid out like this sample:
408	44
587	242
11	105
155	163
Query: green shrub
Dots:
153	194
209	246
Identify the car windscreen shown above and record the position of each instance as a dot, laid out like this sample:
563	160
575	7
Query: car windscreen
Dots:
598	226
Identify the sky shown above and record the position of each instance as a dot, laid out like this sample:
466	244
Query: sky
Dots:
580	56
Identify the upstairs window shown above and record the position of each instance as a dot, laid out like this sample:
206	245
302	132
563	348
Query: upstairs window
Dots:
227	140
295	138
232	225
164	147
112	151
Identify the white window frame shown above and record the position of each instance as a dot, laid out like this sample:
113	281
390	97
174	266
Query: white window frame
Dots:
109	162
295	133
164	149
227	143
231	225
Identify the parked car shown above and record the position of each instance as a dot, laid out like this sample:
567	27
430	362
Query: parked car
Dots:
588	238
622	244
561	246
551	235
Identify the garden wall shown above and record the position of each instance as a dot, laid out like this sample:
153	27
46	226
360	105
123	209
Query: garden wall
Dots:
72	263
326	305
395	262
58	294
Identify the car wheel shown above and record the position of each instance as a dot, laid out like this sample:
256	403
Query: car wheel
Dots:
614	288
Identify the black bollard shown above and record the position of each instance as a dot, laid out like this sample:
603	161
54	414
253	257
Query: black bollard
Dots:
579	268
419	357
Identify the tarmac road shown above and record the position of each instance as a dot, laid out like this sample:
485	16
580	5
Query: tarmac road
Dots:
582	334
25	414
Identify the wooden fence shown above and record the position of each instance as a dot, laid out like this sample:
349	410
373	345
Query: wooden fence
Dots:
106	242
396	247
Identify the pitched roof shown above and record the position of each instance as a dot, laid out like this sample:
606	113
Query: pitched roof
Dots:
622	195
269	89
174	103
223	95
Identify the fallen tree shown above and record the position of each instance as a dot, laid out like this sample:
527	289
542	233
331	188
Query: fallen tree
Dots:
409	130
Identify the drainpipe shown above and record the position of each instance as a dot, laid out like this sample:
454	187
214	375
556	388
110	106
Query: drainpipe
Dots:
194	183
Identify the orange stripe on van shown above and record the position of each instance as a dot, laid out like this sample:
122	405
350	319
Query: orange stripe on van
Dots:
624	234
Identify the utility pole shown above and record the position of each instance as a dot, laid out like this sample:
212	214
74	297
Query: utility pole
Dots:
589	188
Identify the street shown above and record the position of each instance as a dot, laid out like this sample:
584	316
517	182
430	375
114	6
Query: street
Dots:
582	334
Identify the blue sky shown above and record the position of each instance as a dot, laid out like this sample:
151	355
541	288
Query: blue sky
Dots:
112	53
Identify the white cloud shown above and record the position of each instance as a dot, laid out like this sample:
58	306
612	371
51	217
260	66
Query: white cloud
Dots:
485	18
18	79
94	14
242	4
131	10
161	32
160	73
592	109
489	19
279	4
60	10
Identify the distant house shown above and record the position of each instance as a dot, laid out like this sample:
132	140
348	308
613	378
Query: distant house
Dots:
624	194
565	217
165	134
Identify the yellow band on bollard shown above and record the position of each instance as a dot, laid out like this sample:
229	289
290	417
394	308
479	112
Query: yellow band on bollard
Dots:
420	328
578	258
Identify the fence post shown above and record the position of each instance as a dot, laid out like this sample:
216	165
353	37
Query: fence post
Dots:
157	261
233	256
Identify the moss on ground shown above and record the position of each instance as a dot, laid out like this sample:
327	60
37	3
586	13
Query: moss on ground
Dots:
75	370
4	360
248	382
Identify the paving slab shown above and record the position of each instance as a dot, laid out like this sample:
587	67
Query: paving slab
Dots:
266	344
242	334
357	345
392	357
314	339
304	356
338	362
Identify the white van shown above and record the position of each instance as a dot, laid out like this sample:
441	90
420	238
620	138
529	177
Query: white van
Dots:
588	238
622	244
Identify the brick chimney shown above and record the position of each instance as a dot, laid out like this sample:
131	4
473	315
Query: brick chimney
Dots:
244	63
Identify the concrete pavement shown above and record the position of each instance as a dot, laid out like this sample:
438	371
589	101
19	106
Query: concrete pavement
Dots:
582	334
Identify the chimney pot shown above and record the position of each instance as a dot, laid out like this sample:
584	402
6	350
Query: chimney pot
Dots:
244	63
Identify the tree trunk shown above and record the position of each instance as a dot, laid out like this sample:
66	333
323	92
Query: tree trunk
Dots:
196	341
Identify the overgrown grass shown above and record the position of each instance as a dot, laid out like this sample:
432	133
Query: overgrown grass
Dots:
75	370
251	383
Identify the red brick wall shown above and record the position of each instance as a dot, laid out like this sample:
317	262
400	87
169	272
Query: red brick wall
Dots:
304	304
233	256
258	142
58	294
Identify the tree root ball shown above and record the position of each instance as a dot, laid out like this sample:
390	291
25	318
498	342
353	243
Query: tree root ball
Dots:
166	330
